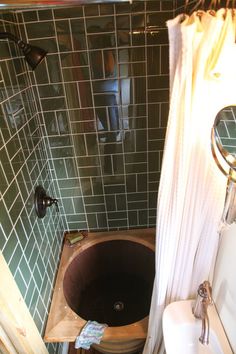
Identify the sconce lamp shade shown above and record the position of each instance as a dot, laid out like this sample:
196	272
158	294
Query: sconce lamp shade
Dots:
33	55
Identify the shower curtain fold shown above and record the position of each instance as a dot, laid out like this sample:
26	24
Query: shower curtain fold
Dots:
192	189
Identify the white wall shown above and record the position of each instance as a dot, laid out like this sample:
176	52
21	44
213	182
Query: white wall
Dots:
224	283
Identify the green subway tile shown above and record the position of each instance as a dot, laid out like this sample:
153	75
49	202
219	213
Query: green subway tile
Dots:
135	157
143	217
22	237
16	209
76	218
103	24
132	197
25	222
136	168
137	205
106	9
36	30
92	221
107	166
158	133
11	194
63	35
68	205
152	186
54	103
13	146
154	115
7	165
64	141
106	41
79	144
70	12
60	152
20	283
29	16
91	10
50	90
110	202
121	202
10	245
74	59
89	171
153	162
51	123
54	68
69	183
117	224
91	144
94	200
152	200
71	192
96	208
97	186
3	180
63	122
156	145
13	264
102	220
71	168
77	225
131	185
30	291
142	182
5	220
151	222
37	321
113	189
25	270
37	277
118	164
40	265
2	239
86	186
77	74
88	161
133	217
117	215
60	169
45	14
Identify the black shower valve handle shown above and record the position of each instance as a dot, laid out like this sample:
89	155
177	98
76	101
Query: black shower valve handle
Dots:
42	201
48	201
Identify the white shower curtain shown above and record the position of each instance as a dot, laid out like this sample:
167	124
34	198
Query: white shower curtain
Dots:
192	188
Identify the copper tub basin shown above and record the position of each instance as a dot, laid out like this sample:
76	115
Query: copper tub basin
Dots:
107	277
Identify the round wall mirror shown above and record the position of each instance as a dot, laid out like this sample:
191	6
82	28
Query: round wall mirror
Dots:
224	141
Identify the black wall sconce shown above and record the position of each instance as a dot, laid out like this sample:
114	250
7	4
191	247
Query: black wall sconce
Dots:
33	55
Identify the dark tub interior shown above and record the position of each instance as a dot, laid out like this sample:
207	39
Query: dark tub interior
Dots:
111	282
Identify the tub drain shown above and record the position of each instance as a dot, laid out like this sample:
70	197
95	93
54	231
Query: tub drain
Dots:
118	306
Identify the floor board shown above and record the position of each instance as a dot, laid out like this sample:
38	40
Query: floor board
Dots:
72	350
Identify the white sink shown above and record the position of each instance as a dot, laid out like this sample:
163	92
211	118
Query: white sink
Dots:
182	331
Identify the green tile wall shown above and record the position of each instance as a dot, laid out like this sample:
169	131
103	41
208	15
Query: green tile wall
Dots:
104	97
30	246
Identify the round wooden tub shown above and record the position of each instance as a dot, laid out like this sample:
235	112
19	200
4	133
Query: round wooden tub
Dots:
107	278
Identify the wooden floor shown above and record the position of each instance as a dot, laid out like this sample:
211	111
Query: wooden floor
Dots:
72	350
